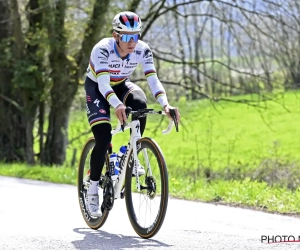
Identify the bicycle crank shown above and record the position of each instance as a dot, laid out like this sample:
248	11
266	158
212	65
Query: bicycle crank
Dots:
108	194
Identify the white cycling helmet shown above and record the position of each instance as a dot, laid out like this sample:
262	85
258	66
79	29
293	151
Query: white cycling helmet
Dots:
127	21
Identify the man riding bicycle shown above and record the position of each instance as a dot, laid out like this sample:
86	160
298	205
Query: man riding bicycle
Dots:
107	84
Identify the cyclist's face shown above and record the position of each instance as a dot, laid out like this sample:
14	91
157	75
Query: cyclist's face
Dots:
127	43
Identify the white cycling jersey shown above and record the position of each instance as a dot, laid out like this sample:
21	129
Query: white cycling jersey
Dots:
108	69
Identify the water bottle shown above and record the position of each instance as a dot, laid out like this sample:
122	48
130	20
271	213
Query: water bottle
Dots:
122	151
114	166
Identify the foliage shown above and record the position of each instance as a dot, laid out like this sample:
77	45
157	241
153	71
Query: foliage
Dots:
223	140
202	50
244	193
225	153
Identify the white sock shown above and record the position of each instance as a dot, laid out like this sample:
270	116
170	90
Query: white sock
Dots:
93	188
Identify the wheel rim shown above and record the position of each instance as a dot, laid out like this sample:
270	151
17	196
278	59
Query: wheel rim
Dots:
85	168
147	202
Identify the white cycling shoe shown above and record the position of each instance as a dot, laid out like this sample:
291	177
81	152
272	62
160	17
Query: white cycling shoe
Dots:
92	203
140	170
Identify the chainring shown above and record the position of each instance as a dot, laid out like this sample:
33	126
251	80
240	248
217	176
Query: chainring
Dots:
108	194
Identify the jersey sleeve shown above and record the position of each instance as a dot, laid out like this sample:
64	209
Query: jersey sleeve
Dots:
154	83
99	67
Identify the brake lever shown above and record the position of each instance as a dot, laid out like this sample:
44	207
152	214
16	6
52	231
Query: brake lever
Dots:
173	115
127	112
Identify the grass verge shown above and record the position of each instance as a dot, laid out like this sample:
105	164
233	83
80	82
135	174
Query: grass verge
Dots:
243	193
226	152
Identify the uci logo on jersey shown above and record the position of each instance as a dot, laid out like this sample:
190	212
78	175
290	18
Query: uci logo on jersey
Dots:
115	65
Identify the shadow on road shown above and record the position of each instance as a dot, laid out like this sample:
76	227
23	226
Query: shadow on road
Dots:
97	239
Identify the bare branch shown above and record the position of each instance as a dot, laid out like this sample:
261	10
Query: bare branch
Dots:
79	136
253	103
202	62
12	102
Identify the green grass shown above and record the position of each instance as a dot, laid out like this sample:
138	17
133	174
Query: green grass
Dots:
64	175
221	137
245	193
225	152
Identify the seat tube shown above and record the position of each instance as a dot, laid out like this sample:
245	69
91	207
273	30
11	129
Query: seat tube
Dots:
135	136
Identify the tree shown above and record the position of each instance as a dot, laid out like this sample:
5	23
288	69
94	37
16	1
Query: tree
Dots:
66	72
13	127
221	45
23	96
203	49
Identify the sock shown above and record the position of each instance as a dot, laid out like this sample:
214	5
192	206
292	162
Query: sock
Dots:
93	188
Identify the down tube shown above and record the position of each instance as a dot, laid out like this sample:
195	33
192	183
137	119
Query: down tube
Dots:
118	186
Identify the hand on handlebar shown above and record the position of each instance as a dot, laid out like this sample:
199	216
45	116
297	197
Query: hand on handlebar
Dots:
120	113
167	109
173	114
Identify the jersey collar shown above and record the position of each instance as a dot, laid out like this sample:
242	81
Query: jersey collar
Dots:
115	48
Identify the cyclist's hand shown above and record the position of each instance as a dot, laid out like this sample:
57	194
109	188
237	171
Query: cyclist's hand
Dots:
167	110
120	113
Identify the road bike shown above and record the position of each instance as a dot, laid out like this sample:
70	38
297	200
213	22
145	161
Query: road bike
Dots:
150	190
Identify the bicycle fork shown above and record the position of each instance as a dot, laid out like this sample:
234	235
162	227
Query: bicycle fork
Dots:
136	164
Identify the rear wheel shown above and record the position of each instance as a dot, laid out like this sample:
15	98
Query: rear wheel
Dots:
83	182
147	208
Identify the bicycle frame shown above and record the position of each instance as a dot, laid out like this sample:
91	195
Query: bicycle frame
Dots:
134	137
146	185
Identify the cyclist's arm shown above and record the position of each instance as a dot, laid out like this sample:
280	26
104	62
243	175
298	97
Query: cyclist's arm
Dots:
99	67
154	83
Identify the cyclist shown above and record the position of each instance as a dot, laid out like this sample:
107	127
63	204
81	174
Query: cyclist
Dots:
107	84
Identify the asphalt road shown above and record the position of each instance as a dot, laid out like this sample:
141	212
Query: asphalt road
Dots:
40	215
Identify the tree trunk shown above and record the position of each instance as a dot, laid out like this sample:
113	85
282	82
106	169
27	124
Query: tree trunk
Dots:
294	70
20	87
35	87
12	129
57	137
41	128
91	34
62	93
29	141
64	87
133	5
65	74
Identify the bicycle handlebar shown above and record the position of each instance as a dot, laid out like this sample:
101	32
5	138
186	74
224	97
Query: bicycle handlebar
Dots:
143	113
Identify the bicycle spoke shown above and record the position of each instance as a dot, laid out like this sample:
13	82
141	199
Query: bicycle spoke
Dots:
147	161
147	208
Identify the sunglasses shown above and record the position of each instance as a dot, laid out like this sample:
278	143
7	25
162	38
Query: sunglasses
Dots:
127	37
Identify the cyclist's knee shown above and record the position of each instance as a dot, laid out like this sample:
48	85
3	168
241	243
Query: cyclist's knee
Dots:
136	100
102	134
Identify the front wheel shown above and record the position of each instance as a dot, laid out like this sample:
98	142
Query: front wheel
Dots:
147	208
83	184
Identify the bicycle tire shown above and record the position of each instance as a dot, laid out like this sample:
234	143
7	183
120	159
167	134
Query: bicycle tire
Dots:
92	222
150	231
